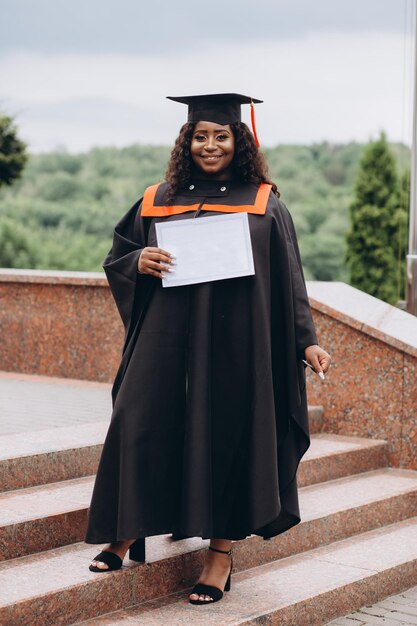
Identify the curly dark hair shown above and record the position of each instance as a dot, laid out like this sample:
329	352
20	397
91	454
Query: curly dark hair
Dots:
248	163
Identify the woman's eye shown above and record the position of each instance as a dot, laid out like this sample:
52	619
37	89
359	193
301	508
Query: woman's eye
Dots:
199	137
221	137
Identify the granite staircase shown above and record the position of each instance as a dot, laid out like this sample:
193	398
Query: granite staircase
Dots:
356	544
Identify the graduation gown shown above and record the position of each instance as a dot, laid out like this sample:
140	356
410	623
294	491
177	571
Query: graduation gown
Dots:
209	418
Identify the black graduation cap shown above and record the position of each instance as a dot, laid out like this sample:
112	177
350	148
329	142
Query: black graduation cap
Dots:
223	108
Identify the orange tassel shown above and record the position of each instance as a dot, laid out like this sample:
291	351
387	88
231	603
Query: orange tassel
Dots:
252	117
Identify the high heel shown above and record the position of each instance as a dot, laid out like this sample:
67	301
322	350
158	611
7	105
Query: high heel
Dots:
137	550
208	590
113	560
229	580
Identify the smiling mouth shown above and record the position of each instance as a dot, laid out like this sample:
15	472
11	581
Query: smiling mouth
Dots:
212	157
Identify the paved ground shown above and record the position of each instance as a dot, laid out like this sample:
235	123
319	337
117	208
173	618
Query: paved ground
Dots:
397	610
29	403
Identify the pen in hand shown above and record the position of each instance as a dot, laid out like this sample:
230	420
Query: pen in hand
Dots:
309	365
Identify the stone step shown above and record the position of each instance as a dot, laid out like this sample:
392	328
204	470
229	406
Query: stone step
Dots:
43	517
315	418
49	455
47	516
310	588
59	579
306	589
333	456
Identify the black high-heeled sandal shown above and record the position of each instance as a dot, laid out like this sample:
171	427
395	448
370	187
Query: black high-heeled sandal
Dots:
208	590
136	553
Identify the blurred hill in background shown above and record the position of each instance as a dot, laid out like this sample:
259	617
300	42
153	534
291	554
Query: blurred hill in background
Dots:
61	213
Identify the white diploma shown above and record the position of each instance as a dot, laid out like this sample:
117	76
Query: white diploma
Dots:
206	248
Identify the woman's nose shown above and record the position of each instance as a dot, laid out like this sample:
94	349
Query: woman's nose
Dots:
210	145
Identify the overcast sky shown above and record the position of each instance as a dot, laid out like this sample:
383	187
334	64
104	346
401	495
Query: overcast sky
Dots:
88	72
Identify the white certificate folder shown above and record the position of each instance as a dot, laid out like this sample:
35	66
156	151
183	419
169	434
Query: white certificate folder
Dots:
206	248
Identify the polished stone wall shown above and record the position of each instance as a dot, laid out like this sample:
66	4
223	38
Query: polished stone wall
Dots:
59	324
371	388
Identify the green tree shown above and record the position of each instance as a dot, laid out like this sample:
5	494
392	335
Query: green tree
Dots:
371	246
399	229
321	255
16	247
13	154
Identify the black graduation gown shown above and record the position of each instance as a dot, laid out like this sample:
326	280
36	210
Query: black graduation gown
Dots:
209	418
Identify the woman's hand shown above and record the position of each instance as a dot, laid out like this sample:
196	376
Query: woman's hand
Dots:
318	358
151	261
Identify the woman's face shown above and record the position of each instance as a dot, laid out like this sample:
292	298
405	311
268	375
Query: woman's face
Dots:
212	149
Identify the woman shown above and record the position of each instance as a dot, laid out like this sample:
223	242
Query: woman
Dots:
209	417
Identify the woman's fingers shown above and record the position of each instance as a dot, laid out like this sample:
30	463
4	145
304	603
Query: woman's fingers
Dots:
158	256
153	273
152	260
158	266
324	360
321	362
315	362
154	269
318	358
147	264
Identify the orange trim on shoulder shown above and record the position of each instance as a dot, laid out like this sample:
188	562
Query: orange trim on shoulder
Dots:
149	198
150	210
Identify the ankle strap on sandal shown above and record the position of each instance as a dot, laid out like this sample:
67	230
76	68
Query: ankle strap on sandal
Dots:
229	552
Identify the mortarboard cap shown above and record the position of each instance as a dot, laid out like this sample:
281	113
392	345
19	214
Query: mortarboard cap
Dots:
223	108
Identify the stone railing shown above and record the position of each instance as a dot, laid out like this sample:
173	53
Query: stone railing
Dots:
371	388
59	324
66	324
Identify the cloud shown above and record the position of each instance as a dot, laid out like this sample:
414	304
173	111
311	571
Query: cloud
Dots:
139	27
328	85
